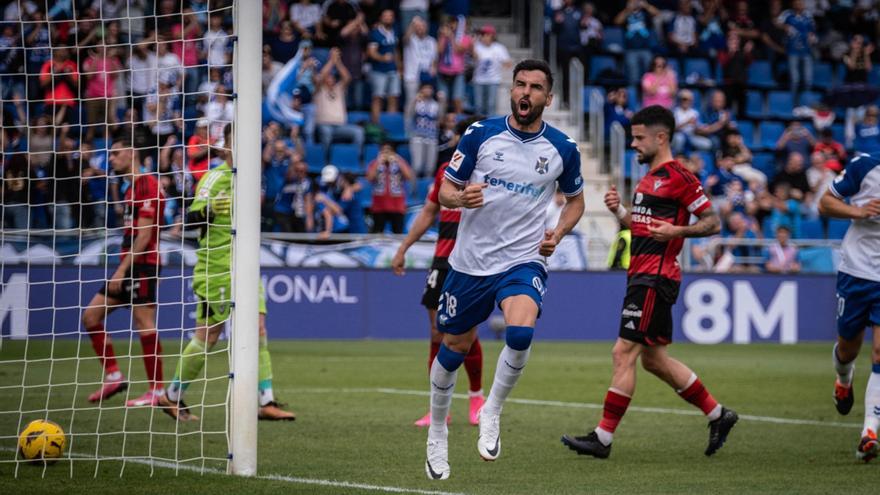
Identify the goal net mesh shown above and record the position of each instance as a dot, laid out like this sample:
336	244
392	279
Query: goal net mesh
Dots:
78	79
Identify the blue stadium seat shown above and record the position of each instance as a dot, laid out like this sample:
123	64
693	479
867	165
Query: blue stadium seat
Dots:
770	133
346	156
698	100
316	157
747	129
393	125
823	76
765	162
371	151
403	151
837	228
699	65
780	104
356	117
587	91
632	97
612	39
599	63
365	195
761	75
708	161
809	98
754	104
839	133
812	229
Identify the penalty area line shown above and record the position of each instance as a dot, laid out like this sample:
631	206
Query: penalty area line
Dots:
267	477
585	405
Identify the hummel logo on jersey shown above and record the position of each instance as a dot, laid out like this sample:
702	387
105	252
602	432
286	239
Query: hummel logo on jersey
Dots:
630	325
525	189
542	165
499	156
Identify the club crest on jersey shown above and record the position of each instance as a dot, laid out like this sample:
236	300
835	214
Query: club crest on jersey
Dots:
499	156
658	184
542	165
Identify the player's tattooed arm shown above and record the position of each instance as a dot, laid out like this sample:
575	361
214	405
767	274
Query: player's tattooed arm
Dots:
707	224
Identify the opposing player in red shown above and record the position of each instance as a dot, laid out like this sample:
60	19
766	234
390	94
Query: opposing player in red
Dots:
133	283
663	204
449	219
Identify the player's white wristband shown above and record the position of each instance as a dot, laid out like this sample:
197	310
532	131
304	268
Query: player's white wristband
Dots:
621	212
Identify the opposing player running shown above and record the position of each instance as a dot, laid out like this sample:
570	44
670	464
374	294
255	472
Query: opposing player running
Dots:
211	210
449	219
503	174
134	282
858	289
663	204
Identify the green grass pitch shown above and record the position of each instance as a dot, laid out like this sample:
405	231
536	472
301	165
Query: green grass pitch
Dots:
356	402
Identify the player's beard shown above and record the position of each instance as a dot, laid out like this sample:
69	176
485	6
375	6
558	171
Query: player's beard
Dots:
645	158
529	118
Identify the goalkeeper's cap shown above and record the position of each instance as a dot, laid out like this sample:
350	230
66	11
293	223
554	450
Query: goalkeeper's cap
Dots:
329	174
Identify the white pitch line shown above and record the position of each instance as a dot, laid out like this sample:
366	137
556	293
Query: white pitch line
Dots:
268	477
583	405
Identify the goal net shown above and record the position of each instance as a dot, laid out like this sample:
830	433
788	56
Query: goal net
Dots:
112	111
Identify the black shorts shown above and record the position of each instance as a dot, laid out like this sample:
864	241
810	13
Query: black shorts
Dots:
433	287
646	317
138	286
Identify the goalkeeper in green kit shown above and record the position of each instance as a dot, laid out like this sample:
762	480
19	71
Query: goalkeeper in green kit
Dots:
211	209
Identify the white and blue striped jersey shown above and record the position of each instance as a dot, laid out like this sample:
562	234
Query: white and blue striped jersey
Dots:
521	171
860	251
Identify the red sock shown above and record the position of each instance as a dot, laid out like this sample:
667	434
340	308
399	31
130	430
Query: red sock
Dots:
697	395
103	348
473	363
152	359
615	408
435	348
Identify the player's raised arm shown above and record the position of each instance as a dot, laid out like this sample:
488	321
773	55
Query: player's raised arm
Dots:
612	202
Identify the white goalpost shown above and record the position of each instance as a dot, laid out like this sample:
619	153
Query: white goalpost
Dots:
81	85
246	243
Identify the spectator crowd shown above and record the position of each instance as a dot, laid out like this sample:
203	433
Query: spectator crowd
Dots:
771	100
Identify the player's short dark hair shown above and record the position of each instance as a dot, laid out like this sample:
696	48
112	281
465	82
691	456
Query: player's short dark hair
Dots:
125	142
534	64
463	124
655	115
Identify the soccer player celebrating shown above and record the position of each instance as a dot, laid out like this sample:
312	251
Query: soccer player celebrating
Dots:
449	218
503	174
134	282
858	288
211	210
663	203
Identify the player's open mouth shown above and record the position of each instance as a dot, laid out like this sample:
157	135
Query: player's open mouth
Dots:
524	107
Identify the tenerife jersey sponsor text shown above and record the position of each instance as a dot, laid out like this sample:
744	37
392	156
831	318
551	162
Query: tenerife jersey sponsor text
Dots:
521	171
670	193
860	249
